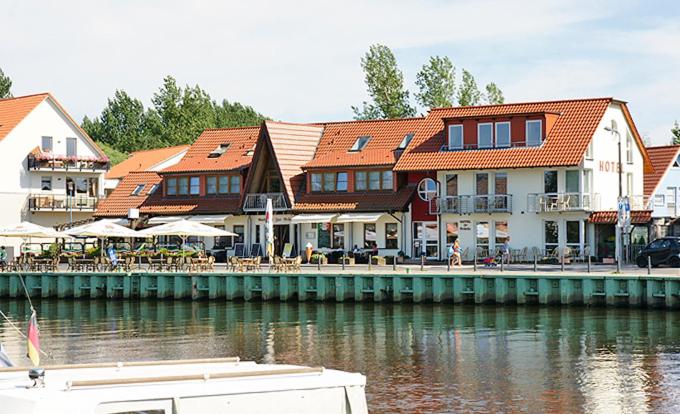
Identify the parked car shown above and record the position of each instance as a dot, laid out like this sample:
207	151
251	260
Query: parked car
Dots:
662	251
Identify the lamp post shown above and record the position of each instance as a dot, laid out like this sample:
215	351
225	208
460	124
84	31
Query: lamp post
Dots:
619	167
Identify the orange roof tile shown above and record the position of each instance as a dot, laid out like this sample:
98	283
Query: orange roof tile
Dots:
157	205
610	217
240	141
14	110
144	160
661	158
359	202
339	137
564	145
121	199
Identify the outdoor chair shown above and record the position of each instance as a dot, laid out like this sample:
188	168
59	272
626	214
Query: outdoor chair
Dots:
297	266
258	263
211	264
234	264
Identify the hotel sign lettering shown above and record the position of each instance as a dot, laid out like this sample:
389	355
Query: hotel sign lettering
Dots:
609	166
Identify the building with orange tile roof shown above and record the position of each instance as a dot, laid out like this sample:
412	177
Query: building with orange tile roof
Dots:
145	160
663	187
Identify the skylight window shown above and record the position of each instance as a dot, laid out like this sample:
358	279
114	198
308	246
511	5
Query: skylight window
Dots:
217	152
404	142
153	189
137	189
360	143
251	151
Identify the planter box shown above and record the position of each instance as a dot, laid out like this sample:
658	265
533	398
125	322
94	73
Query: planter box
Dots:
348	260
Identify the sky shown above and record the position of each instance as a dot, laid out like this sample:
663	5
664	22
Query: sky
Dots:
300	61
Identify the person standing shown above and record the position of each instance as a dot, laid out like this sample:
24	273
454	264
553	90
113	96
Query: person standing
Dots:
455	254
505	250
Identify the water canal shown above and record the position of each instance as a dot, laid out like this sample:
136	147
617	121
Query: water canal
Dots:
418	358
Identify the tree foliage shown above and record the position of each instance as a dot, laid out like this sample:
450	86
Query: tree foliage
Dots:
5	85
385	85
468	92
675	140
436	83
115	156
177	116
494	95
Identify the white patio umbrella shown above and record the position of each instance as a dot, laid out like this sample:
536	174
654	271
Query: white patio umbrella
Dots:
103	229
183	229
27	229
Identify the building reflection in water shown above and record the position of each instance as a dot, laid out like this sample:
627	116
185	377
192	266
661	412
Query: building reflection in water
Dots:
432	358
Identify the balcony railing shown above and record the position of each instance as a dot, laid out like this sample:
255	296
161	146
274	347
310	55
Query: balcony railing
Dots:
641	202
63	163
558	202
51	202
468	204
258	201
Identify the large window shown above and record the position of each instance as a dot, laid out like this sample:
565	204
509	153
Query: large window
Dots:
386	180
323	235
451	233
317	180
338	236
534	133
329	181
71	147
452	185
211	185
551	235
183	186
574	234
573	184
360	181
235	184
455	137
502	134
223	187
425	239
501	232
482	237
370	237
240	231
374	180
46	144
194	185
391	236
171	184
341	181
550	181
485	135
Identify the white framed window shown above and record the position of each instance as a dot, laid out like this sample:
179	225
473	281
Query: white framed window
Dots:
427	189
138	189
407	139
71	147
589	151
153	189
629	183
659	200
455	137
503	134
534	131
46	144
360	143
550	235
629	148
316	182
670	196
195	186
485	135
341	181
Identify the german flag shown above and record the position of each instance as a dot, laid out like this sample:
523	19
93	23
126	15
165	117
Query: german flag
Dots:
33	340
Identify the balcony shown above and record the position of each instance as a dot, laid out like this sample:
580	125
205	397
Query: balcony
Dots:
258	202
468	204
48	162
562	202
60	202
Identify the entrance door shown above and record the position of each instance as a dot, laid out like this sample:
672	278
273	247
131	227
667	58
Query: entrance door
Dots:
281	237
425	234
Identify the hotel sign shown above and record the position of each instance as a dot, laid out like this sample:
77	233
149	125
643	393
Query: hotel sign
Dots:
609	166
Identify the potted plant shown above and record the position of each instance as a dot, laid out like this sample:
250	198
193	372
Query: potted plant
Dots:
319	257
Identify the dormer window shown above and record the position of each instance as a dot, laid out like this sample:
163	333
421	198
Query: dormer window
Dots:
217	152
485	135
251	151
534	131
360	143
456	137
138	189
502	134
676	164
153	189
407	139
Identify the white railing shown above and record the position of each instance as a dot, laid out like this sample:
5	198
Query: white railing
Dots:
59	202
258	201
548	202
468	204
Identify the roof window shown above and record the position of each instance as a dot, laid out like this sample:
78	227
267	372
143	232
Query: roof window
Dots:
360	143
677	162
251	151
137	189
217	152
407	138
153	189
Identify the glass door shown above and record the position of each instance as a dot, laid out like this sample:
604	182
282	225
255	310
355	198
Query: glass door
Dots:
425	236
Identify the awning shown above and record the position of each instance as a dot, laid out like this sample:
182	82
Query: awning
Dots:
210	218
166	219
312	218
610	217
359	217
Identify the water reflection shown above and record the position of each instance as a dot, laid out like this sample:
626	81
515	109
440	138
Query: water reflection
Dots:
427	358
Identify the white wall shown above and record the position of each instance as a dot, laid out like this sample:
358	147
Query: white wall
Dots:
662	208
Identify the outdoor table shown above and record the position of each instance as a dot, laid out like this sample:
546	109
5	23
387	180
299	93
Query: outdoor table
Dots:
41	264
198	263
87	264
246	262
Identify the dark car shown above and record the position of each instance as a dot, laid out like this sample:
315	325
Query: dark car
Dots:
662	251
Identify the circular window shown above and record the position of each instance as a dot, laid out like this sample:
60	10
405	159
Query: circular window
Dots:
427	189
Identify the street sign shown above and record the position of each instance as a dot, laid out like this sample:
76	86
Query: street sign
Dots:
623	210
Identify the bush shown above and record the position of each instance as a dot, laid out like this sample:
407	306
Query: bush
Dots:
93	252
319	257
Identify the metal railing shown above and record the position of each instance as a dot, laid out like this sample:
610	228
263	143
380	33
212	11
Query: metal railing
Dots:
67	164
547	202
51	202
258	202
468	204
641	202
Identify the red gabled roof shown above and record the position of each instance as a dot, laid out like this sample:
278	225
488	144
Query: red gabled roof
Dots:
564	145
610	217
143	160
359	202
240	140
339	137
121	199
661	158
14	110
157	205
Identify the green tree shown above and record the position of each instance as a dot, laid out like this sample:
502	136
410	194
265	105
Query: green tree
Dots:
228	114
5	86
436	82
115	156
494	95
385	85
468	92
676	134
